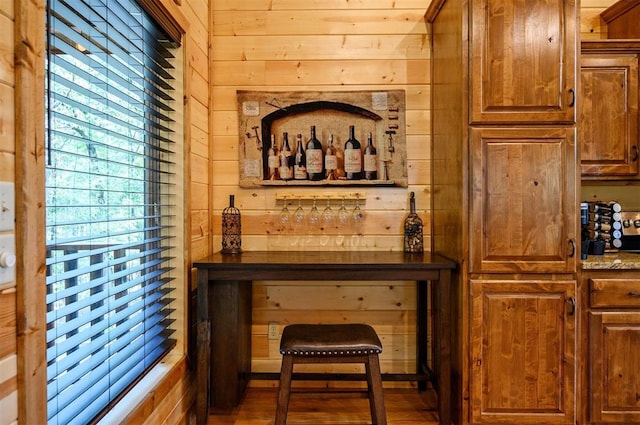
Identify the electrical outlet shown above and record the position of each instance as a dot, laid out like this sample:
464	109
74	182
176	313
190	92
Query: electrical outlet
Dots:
273	330
7	259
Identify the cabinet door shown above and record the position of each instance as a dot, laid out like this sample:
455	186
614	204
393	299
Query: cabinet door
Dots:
523	61
608	122
523	200
614	356
523	352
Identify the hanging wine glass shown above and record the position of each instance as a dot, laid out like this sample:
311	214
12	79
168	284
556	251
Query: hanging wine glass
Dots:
284	213
327	215
314	215
298	215
357	213
343	214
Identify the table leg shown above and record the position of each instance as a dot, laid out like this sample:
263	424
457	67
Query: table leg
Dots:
203	349
230	360
443	308
422	331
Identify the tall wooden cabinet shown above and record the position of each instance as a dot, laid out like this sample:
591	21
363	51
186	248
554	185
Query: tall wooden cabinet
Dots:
505	202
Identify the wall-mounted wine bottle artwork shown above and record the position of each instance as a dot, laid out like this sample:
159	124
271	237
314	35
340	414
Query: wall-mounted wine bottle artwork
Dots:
350	138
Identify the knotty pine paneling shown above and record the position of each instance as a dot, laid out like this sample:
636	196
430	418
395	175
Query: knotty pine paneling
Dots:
310	73
276	22
8	329
317	47
7	322
629	199
7	122
591	26
7	161
7	72
8	399
292	5
199	142
8	378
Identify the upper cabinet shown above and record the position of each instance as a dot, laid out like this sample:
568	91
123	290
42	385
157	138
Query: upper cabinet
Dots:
622	19
523	61
608	105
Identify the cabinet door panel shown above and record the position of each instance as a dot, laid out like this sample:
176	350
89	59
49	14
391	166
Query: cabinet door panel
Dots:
523	60
615	367
523	352
523	200
608	129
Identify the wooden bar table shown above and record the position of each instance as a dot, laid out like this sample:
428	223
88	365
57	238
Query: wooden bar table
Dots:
224	313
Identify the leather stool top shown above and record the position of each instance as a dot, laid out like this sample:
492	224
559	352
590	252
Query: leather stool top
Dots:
340	339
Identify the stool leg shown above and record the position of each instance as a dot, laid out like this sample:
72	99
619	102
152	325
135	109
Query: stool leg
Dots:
284	390
376	396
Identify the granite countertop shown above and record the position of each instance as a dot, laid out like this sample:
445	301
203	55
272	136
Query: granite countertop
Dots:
613	260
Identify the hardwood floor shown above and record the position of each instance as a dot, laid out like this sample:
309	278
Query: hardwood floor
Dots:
404	407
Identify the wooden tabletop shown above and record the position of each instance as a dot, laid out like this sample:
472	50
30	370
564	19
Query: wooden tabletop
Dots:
322	265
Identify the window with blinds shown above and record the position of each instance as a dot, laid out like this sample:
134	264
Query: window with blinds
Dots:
110	192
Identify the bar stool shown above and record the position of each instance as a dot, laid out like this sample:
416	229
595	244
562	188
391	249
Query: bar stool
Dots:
342	343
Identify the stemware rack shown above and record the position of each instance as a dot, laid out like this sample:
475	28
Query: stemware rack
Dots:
324	196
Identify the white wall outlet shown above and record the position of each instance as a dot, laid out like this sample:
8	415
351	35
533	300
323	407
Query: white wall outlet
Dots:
7	259
273	331
7	206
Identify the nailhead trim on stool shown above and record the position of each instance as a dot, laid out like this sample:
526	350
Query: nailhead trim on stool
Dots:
342	343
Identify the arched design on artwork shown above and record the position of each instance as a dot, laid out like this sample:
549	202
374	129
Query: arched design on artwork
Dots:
304	108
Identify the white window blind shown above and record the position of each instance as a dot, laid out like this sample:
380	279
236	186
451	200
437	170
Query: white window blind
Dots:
110	189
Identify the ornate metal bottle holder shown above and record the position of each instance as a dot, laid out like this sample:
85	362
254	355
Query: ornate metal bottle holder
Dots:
231	229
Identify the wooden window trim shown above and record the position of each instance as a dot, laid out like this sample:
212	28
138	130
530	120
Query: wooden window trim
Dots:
168	16
30	48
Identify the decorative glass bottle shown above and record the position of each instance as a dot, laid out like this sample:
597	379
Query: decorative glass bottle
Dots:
413	241
370	160
273	162
353	157
231	229
286	159
331	160
315	157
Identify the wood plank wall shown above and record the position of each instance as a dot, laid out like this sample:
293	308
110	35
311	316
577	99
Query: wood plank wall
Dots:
280	45
591	26
290	45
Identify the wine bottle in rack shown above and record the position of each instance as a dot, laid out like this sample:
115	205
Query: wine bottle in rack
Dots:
286	157
273	162
353	157
300	162
315	160
330	160
370	160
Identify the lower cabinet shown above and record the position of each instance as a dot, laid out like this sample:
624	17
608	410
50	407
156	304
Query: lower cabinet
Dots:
523	344
613	367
